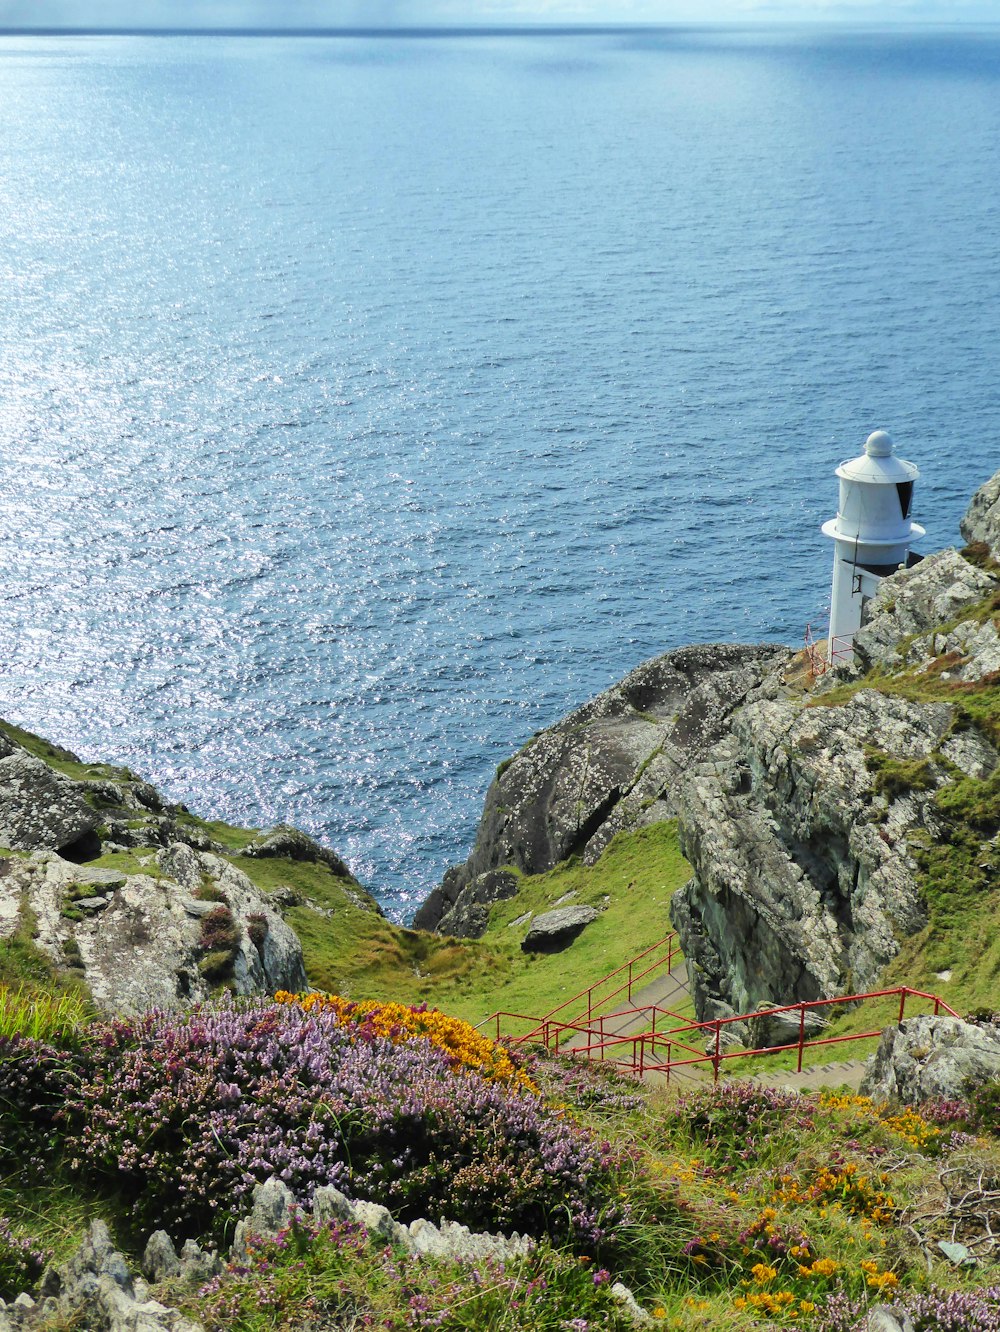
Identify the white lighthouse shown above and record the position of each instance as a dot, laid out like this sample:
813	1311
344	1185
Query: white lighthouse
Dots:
871	532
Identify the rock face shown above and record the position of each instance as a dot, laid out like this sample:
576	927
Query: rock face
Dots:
607	767
902	626
799	811
927	1057
180	922
803	874
982	520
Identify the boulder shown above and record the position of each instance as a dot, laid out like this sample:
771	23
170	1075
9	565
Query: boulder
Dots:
292	844
553	931
767	1029
40	809
927	1057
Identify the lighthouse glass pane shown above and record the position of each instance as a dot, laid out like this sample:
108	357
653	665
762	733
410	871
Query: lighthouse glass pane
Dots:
905	491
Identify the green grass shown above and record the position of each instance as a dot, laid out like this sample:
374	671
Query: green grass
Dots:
229	835
26	969
358	953
138	860
41	1017
62	760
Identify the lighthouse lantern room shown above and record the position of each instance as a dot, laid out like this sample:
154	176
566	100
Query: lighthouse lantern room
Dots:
871	532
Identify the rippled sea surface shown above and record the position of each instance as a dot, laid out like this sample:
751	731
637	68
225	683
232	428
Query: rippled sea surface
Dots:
368	403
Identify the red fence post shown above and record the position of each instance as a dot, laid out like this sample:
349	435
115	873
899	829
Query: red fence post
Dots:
718	1043
902	1001
642	1055
802	1034
670	1055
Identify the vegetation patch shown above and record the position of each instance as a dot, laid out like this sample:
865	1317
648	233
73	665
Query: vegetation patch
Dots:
896	777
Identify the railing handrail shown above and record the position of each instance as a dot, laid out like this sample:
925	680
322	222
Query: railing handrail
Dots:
667	939
646	1043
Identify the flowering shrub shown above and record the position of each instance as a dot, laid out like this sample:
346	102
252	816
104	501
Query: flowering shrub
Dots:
986	1107
182	1114
312	1277
922	1130
466	1047
741	1118
588	1086
33	1079
841	1186
21	1264
933	1311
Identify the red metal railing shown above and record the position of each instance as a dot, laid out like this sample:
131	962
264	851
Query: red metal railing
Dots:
636	1053
822	654
630	972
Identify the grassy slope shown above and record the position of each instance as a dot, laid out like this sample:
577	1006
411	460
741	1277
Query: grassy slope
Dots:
350	949
363	956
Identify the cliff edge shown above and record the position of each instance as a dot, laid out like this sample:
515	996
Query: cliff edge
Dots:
813	812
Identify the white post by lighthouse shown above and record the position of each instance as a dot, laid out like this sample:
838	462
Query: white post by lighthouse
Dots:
872	533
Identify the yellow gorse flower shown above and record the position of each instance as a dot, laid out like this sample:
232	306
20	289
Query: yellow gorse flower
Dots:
467	1047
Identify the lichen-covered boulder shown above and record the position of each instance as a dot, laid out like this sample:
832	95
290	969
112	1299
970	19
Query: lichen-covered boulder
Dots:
143	940
40	809
927	1057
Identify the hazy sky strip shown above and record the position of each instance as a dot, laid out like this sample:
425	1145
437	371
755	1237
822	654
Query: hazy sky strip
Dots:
418	13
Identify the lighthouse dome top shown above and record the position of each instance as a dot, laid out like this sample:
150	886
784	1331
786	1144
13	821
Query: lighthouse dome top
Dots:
879	464
879	444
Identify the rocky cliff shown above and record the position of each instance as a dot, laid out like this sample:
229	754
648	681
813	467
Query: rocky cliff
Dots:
100	878
805	805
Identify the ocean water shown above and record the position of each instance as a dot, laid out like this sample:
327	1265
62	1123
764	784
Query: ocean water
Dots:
366	403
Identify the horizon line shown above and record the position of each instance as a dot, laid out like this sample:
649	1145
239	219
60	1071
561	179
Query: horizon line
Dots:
487	30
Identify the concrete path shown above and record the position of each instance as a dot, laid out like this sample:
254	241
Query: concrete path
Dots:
668	991
671	991
844	1072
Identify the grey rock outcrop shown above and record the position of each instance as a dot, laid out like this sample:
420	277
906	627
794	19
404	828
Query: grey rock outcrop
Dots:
982	519
94	1289
553	931
274	1207
902	626
144	937
804	879
470	914
145	946
608	767
926	1057
40	809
